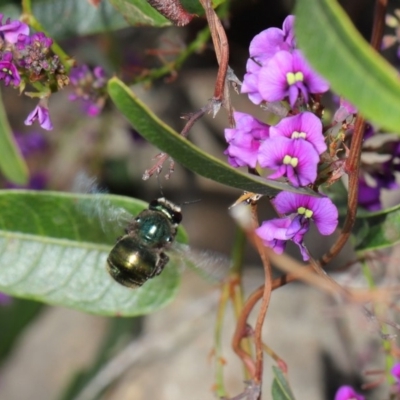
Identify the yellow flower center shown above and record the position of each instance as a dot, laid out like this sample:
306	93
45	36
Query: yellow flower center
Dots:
299	135
293	161
305	211
292	78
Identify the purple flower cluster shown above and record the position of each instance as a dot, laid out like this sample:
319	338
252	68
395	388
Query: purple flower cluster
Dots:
90	88
291	149
26	57
276	70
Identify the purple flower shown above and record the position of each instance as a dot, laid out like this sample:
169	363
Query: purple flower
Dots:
8	71
321	210
395	371
267	43
345	110
289	75
78	74
348	393
295	159
39	39
250	82
301	126
299	211
273	233
276	232
40	113
244	140
11	30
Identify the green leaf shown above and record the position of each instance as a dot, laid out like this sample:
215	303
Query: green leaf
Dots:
53	252
139	13
377	230
355	71
12	164
63	19
280	387
185	152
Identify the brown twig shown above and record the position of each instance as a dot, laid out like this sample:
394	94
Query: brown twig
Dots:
162	157
266	295
221	46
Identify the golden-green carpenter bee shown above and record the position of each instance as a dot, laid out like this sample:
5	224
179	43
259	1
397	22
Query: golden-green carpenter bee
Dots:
140	254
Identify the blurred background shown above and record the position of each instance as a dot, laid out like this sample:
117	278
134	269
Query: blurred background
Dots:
53	353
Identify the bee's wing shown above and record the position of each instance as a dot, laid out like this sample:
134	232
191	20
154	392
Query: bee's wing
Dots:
97	205
210	265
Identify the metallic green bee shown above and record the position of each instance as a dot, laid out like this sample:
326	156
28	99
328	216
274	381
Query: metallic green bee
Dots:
139	254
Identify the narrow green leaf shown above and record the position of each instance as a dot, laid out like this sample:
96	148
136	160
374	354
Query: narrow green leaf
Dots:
139	13
12	164
52	252
336	50
63	19
185	152
280	387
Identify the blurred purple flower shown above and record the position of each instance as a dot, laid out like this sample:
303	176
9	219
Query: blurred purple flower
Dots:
5	299
368	196
304	126
388	40
295	159
348	393
11	30
244	140
37	181
30	142
8	71
395	371
289	75
89	87
345	109
40	113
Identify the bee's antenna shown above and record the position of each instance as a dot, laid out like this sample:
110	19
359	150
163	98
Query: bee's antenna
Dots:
189	202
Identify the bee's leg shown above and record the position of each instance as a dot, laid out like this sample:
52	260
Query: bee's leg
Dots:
161	263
